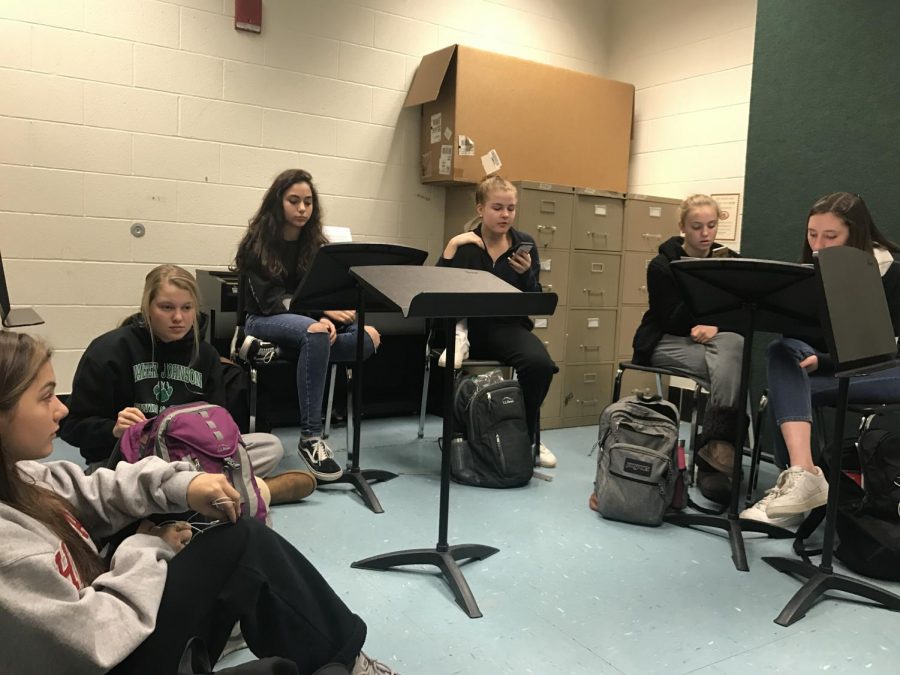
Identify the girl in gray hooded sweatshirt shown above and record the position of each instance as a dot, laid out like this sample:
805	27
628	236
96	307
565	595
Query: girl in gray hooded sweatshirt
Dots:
66	609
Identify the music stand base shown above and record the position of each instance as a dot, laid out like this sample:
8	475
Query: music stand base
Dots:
735	528
818	583
361	480
445	561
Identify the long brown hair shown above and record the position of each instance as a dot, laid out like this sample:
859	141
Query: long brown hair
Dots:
853	212
21	357
258	250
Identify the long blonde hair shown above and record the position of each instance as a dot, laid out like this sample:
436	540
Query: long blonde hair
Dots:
21	358
181	279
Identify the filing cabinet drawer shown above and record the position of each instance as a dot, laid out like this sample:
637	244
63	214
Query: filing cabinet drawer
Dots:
590	335
551	331
551	405
634	279
545	214
554	276
593	279
629	319
598	221
649	223
587	390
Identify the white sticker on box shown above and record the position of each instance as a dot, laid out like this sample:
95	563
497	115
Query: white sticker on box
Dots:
593	322
545	265
599	209
655	211
436	128
446	160
466	146
491	162
448	134
540	323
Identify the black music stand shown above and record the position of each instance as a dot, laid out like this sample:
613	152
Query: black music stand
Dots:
15	318
329	285
744	295
423	292
860	339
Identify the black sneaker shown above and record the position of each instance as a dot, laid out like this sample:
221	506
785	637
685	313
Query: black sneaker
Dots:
320	459
254	350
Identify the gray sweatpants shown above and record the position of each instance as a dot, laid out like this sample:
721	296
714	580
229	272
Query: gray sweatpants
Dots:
718	362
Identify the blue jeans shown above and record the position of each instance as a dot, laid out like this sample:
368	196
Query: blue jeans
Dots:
792	389
292	332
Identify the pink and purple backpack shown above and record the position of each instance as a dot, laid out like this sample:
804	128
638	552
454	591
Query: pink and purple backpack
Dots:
204	435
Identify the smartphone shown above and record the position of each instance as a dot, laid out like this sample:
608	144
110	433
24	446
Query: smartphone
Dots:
525	247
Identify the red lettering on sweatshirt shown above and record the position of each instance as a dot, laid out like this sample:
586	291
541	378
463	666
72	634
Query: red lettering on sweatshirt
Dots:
66	567
77	526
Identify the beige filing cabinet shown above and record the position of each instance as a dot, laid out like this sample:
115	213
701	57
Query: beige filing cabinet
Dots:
594	247
648	222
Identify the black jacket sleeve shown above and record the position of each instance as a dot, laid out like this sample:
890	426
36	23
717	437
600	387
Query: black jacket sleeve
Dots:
94	404
266	295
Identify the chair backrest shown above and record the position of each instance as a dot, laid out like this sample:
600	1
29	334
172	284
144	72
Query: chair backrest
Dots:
854	311
4	292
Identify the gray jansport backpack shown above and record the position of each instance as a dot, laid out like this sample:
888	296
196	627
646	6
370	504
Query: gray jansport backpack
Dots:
636	466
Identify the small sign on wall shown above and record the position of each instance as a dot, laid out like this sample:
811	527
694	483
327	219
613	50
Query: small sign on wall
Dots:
728	216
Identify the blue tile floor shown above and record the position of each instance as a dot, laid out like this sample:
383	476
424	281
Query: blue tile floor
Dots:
568	592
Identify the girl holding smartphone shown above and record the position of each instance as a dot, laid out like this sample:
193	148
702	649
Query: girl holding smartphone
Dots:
495	246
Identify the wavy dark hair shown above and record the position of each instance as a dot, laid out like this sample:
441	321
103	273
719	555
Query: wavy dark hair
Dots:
853	212
21	357
258	250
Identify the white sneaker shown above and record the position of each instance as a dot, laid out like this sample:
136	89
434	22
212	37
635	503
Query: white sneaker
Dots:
548	459
758	512
800	491
462	351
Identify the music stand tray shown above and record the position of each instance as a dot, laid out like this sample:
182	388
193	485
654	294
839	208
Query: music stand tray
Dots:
444	292
329	285
743	295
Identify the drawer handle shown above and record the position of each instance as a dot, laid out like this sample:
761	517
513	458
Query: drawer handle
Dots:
597	234
546	287
590	348
588	401
642	289
546	343
651	235
551	228
589	291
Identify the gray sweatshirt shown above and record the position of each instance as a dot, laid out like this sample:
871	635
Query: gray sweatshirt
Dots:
50	621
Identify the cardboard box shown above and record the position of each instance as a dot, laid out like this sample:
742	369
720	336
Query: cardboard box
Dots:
539	123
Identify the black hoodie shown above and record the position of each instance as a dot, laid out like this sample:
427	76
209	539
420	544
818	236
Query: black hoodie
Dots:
127	367
667	314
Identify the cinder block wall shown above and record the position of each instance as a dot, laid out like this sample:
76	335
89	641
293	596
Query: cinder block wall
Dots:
121	111
690	62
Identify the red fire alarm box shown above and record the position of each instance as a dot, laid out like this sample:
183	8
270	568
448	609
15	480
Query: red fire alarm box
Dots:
248	15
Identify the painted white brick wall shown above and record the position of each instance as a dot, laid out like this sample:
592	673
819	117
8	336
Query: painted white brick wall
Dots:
690	62
158	111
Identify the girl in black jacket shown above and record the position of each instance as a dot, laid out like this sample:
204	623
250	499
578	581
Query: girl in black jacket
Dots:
496	246
153	361
669	337
272	258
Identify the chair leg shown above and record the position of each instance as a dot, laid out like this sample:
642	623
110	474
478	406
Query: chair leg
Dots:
756	452
695	414
349	425
254	397
659	391
425	381
617	385
327	432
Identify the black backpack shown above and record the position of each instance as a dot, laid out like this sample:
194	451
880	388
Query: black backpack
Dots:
868	522
495	450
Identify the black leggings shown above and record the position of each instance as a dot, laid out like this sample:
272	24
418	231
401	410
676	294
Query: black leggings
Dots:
513	344
247	572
